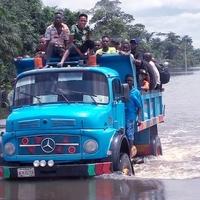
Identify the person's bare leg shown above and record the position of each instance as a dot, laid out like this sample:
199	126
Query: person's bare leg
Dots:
78	51
49	51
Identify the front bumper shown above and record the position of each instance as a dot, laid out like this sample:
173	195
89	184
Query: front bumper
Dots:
69	170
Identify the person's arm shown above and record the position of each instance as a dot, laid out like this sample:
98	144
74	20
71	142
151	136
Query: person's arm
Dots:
66	35
139	117
47	37
72	33
89	34
65	55
138	101
99	52
46	44
145	85
71	39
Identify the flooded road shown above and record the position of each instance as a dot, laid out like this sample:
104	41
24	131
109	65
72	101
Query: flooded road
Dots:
116	188
180	134
175	175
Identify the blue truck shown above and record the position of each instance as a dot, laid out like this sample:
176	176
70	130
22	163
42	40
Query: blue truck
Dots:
70	121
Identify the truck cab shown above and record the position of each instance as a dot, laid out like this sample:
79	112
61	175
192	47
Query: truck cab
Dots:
70	121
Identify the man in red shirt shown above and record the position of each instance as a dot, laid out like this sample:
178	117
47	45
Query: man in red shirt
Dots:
56	36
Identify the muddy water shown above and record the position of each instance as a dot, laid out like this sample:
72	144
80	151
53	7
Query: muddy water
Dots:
175	175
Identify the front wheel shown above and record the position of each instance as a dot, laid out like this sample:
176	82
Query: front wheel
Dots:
125	165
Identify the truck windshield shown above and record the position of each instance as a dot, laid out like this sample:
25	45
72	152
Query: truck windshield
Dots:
67	87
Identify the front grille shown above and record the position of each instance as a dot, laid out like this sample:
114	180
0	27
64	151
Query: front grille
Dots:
63	122
49	145
29	124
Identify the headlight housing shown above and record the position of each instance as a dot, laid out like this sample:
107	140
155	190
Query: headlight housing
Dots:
9	148
90	146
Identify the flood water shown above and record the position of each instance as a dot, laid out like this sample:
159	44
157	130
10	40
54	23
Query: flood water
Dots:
175	175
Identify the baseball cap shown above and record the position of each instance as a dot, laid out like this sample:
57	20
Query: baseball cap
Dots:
134	41
143	71
59	11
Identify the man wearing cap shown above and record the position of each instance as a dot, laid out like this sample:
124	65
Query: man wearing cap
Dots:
135	49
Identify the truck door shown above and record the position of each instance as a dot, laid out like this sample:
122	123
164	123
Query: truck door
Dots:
118	105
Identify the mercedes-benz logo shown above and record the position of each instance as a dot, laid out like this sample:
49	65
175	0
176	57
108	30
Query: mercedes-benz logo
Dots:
48	145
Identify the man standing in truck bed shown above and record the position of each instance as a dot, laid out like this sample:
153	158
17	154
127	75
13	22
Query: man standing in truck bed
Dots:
133	111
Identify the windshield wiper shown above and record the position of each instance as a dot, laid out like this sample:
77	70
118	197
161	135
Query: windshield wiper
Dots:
85	93
64	94
60	91
31	95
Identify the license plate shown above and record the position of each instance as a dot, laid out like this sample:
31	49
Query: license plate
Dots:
26	172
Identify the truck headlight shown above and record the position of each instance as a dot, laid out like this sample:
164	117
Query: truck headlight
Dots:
90	146
9	148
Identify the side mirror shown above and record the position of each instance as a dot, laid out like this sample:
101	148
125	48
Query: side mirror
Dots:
125	91
5	105
3	99
5	102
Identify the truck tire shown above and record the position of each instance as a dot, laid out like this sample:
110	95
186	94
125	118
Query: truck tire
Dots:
125	165
1	161
156	146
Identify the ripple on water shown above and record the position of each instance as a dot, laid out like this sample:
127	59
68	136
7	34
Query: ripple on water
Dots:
179	161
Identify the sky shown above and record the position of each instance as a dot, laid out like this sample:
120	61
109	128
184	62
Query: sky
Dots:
179	16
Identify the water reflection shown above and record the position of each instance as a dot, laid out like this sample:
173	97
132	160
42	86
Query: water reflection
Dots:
84	189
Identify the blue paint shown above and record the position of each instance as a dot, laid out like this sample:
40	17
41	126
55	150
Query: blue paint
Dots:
78	121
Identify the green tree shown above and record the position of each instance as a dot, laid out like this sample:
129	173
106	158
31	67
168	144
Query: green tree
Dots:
47	16
171	43
109	19
23	21
22	15
186	51
10	42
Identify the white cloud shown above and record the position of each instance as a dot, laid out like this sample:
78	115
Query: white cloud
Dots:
142	5
179	16
133	5
72	5
182	24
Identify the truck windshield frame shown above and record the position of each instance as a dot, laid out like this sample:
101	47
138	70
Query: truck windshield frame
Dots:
62	87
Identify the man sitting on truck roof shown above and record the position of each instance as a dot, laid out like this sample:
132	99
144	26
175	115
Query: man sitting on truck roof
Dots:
133	111
80	40
56	36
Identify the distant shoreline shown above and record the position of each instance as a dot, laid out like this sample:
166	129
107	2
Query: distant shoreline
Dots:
181	71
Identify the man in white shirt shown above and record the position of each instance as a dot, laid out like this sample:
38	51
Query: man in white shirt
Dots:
148	57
